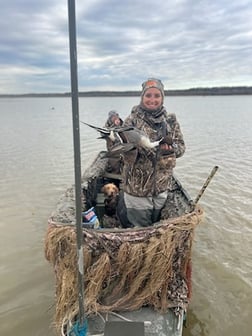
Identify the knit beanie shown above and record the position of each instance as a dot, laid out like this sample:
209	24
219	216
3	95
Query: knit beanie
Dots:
113	113
153	83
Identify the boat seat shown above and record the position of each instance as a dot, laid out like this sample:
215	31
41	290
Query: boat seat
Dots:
100	205
124	328
100	198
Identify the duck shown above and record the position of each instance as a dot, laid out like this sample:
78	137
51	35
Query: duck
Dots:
128	138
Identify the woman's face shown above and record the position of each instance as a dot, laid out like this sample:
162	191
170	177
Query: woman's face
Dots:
152	99
116	121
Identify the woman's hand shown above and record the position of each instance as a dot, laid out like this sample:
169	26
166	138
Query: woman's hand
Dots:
166	147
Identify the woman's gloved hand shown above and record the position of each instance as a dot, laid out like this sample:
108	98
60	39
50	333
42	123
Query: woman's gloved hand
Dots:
166	140
166	146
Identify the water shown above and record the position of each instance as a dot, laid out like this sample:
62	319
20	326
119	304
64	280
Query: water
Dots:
36	152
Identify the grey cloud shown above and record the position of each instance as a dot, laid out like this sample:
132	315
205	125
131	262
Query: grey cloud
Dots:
120	43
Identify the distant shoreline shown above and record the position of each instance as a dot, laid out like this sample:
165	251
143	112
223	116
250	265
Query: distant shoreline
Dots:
215	91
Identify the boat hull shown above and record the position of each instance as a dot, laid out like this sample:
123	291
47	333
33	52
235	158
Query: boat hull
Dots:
140	274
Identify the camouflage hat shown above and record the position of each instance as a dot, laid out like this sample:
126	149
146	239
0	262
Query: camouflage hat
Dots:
153	83
113	119
113	113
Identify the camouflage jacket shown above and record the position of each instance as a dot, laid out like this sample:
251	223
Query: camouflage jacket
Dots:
148	172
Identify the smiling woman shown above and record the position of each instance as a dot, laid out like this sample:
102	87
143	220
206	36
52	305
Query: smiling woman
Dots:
147	172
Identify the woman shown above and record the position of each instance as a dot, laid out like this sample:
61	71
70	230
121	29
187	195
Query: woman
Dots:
113	120
147	173
115	163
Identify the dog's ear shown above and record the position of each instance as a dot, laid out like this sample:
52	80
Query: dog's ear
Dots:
103	189
116	189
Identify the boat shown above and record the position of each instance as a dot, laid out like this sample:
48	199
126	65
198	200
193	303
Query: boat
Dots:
138	277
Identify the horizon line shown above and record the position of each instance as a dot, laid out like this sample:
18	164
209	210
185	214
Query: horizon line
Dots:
199	90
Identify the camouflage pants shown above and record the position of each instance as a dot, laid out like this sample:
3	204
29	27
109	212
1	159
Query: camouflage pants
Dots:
144	211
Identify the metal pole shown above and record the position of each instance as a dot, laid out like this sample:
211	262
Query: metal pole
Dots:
77	160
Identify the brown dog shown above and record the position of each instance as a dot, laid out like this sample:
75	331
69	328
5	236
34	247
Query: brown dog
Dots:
110	190
111	194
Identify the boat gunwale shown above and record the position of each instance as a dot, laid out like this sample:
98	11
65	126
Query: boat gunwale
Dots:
164	223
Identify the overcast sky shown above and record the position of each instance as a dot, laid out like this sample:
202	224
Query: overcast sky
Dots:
120	43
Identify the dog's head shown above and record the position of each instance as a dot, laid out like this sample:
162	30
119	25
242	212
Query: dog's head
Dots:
110	190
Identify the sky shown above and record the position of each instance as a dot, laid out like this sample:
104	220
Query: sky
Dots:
185	43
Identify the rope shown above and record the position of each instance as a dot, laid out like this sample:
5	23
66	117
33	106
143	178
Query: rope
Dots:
79	330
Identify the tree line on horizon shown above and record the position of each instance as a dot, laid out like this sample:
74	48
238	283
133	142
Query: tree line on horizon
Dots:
236	90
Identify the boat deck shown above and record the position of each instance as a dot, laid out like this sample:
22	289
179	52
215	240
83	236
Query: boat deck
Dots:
154	324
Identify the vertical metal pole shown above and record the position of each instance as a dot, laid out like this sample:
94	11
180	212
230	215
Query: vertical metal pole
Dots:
77	160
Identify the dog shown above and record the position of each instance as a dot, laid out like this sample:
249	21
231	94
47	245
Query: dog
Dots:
111	194
115	208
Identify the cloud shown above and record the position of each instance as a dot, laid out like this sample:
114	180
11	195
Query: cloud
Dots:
120	43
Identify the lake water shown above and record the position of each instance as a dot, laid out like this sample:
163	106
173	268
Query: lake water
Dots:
36	153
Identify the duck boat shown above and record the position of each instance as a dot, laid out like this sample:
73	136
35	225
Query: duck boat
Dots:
136	280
